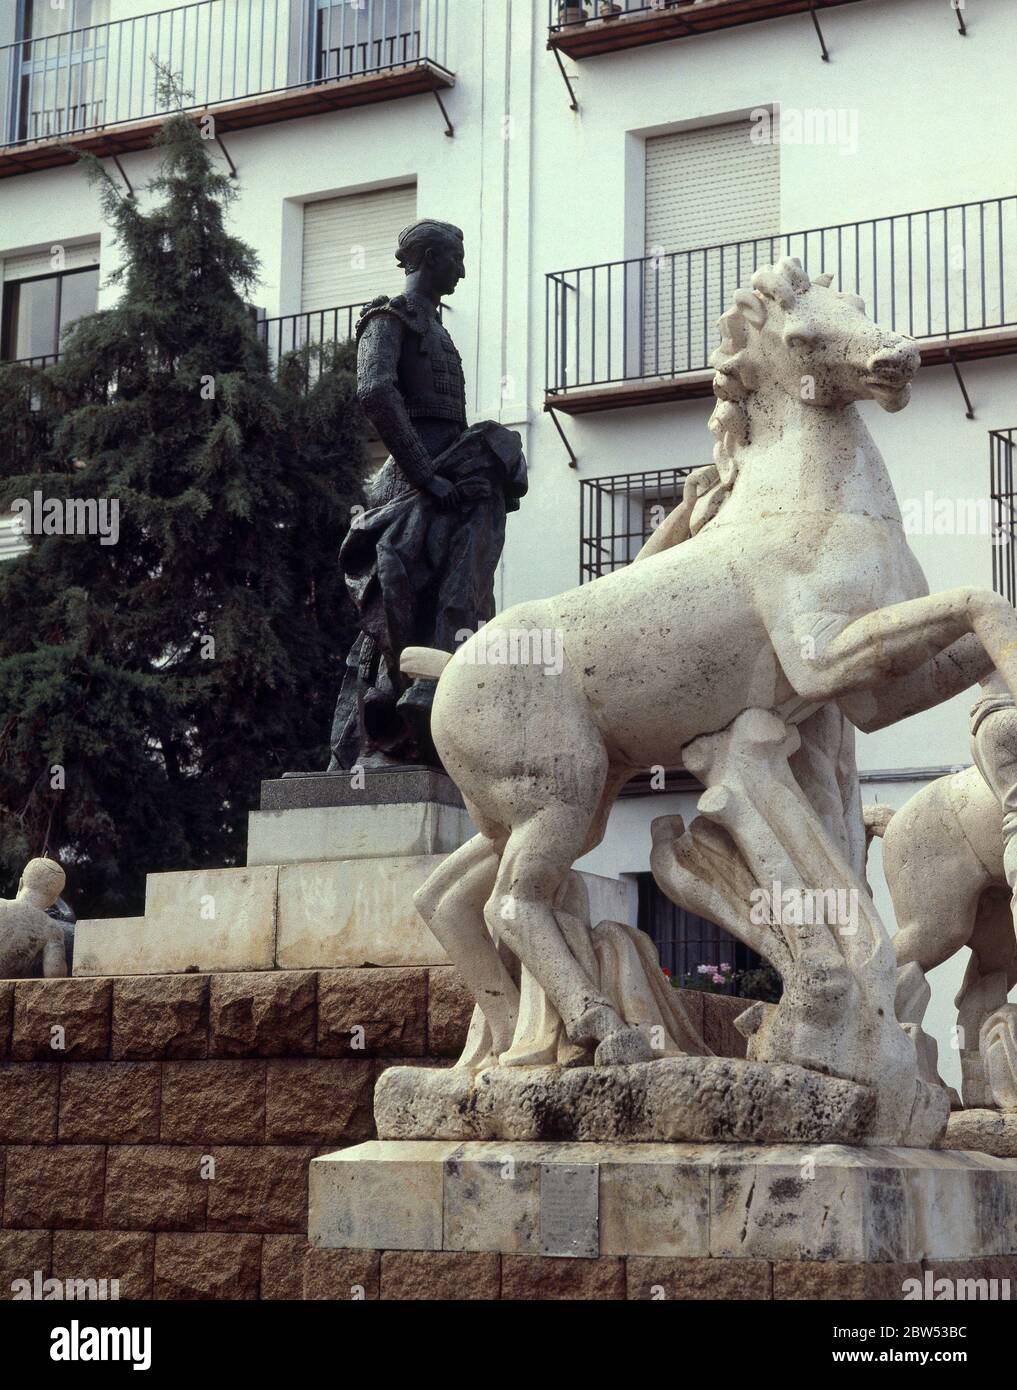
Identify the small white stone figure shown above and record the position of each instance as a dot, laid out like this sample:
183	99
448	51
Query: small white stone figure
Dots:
28	936
950	860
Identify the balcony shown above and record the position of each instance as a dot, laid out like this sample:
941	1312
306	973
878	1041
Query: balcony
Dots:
1004	512
249	62
317	328
640	332
585	30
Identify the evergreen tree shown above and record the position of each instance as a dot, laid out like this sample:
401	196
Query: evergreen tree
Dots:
146	687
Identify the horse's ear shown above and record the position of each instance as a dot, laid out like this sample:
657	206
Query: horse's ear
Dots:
826	279
752	305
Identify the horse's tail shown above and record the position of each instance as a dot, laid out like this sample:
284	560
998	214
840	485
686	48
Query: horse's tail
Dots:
423	663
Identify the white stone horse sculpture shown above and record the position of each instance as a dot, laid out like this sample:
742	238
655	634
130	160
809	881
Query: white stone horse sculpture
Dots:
795	598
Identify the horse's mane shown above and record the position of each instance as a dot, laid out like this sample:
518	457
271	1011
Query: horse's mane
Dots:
736	376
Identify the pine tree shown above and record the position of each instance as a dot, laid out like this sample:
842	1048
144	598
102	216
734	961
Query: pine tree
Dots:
146	687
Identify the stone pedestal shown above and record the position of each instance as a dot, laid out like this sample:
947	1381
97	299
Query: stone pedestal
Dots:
332	867
734	1203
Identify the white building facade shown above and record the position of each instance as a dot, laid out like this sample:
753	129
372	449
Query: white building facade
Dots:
618	171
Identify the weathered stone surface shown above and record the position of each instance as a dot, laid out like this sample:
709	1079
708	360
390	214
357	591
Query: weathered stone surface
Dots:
160	1016
356	912
766	1202
6	1017
153	1187
22	1253
197	920
109	1102
318	834
449	1010
314	1101
55	1187
341	1275
127	1256
372	1013
61	1020
832	1281
381	787
259	1189
719	1032
28	1102
262	1015
693	1099
664	1278
207	1266
440	1275
533	1277
378	1197
282	1268
982	1131
213	1102
652	1197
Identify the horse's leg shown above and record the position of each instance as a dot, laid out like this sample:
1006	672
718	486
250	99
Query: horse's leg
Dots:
451	902
534	867
826	655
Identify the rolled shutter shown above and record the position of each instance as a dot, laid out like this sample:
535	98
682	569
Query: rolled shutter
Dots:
349	247
705	189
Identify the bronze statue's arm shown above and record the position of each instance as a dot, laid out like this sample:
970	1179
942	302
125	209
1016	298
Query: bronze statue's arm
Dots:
378	392
957	668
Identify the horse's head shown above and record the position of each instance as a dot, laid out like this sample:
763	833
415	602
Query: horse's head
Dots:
816	344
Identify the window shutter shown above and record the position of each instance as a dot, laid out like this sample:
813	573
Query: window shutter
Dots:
711	185
349	247
705	188
41	262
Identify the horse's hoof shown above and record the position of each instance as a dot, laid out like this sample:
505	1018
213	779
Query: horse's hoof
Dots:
623	1048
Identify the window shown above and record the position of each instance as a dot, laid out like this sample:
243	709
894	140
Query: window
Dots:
62	68
38	307
705	189
349	247
685	941
355	36
619	513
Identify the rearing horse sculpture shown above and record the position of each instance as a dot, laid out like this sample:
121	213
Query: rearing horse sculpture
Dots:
794	592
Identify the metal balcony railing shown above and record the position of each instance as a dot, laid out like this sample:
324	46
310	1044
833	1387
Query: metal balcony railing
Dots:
289	332
1004	512
619	513
563	14
220	50
934	274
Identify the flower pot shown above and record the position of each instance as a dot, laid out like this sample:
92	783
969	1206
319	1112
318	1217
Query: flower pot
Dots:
608	10
572	14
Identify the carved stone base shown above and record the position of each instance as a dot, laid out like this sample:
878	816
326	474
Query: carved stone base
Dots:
791	1202
694	1099
983	1131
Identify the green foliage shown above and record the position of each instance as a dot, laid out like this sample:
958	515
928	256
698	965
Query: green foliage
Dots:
167	674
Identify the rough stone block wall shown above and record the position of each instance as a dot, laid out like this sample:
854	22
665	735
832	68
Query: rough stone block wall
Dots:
158	1130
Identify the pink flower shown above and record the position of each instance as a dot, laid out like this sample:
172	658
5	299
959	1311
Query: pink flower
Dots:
725	966
719	980
704	969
